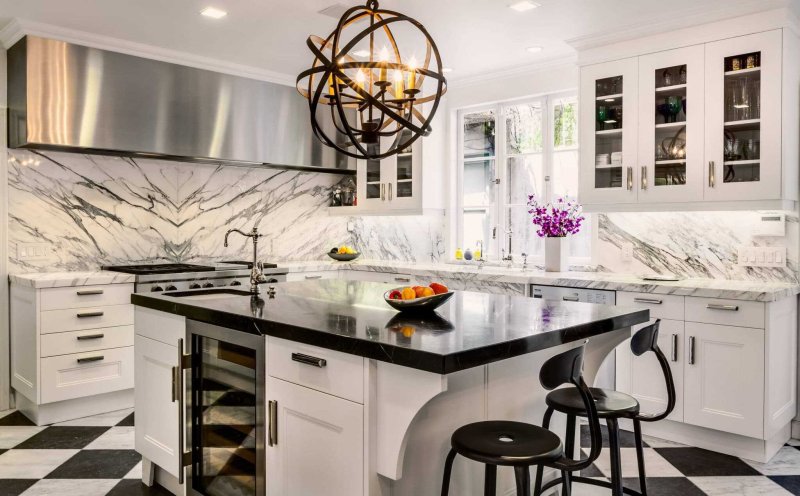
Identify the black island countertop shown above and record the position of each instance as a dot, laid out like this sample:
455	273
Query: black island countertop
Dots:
470	330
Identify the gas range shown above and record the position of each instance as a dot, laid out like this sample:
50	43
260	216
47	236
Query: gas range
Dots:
153	278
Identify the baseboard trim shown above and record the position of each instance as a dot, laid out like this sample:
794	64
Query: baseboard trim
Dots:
62	411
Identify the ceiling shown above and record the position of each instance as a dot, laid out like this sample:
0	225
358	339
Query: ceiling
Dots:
474	36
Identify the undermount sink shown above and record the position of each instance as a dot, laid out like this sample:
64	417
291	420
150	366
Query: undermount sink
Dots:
208	294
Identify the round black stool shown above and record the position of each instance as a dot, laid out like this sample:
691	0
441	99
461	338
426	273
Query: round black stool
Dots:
520	445
611	405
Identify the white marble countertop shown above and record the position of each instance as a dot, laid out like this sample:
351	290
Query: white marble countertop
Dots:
709	288
68	279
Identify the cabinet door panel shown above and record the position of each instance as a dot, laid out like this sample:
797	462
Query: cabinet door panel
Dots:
647	380
724	387
156	414
320	443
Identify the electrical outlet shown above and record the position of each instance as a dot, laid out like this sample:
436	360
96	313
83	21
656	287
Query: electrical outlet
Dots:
762	256
627	252
33	251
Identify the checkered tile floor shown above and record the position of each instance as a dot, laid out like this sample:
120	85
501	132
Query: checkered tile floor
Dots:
95	457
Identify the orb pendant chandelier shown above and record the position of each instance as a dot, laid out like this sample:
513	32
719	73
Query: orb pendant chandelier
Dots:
380	93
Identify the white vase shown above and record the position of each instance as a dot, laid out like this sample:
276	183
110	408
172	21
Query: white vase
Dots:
556	254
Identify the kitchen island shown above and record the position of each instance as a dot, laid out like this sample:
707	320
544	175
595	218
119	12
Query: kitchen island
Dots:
346	396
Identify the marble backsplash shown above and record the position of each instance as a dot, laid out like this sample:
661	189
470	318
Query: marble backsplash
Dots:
93	210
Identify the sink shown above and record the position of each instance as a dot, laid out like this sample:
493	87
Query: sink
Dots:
207	294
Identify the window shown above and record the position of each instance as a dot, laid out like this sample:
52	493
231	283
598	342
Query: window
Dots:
507	152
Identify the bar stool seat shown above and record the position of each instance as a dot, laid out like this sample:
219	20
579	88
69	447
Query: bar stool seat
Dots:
506	443
609	403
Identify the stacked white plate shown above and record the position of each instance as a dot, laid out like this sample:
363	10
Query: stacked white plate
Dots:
616	158
601	159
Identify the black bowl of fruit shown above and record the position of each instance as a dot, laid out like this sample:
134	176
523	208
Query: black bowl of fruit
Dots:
343	254
418	299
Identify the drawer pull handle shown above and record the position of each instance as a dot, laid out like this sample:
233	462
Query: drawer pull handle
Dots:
90	336
313	277
570	298
651	301
402	279
691	350
716	306
309	360
674	354
91	359
89	292
89	314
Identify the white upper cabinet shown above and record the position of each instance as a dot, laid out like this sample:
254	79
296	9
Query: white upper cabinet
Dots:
392	183
743	120
608	123
706	126
671	126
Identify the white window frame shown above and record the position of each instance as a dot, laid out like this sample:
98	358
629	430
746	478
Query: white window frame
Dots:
499	214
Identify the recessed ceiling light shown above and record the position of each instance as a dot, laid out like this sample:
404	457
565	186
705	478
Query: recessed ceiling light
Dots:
213	13
361	53
523	6
447	69
535	49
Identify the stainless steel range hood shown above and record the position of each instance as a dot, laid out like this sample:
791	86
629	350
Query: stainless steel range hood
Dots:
75	98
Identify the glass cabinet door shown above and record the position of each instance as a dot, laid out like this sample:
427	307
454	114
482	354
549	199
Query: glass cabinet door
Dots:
671	125
608	121
375	187
743	142
404	171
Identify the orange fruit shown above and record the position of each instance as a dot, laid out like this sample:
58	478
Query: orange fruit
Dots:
408	294
408	331
419	290
438	288
427	292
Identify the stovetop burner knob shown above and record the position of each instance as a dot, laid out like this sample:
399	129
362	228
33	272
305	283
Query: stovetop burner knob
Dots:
194	286
171	288
236	283
156	289
208	285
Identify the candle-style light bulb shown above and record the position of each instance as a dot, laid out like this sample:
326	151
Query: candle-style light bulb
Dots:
360	78
384	59
412	74
398	84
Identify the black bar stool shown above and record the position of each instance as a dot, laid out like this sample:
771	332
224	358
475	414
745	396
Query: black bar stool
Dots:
611	406
520	445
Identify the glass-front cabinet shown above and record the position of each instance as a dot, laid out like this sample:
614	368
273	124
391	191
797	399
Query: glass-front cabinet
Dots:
392	183
671	126
743	118
608	132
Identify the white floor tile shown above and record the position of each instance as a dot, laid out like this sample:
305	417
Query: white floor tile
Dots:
11	436
71	487
102	420
32	464
656	465
115	438
135	473
739	486
793	442
785	462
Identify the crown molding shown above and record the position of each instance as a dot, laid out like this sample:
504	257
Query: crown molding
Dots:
494	75
18	28
696	16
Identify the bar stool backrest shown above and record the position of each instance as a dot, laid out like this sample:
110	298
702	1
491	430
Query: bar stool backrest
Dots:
566	368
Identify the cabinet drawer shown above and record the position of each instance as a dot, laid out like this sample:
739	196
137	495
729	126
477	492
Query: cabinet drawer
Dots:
74	319
79	375
726	312
85	296
64	343
660	306
341	374
312	276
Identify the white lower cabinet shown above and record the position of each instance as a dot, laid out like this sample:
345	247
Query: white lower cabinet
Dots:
383	277
157	420
724	386
318	445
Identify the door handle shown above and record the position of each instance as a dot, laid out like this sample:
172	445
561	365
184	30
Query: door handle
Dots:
88	292
90	336
651	301
309	360
711	171
717	306
89	314
569	298
184	362
644	177
390	191
272	434
313	277
91	359
691	350
402	279
383	192
630	178
674	352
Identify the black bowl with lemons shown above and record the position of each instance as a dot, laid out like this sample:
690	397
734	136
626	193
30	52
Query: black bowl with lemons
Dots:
343	254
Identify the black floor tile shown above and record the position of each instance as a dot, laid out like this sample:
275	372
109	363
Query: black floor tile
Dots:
14	487
134	487
626	438
592	471
126	422
15	419
665	486
696	462
97	464
789	482
63	437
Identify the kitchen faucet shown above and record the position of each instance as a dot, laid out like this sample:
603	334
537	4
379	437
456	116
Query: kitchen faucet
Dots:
509	258
256	273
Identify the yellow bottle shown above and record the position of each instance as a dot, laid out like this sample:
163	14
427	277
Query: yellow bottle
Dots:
477	253
459	254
